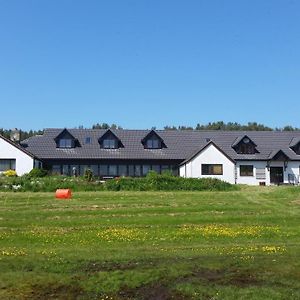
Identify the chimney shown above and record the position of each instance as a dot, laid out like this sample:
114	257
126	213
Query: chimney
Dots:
15	135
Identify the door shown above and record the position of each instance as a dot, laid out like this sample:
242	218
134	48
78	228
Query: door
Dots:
276	175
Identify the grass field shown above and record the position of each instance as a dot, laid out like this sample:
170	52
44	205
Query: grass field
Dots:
151	245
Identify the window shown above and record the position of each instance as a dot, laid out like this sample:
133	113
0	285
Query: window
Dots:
56	170
153	144
122	170
95	170
137	170
156	168
66	170
88	140
246	170
65	143
208	169
146	169
7	164
112	170
131	170
165	168
109	144
103	170
247	149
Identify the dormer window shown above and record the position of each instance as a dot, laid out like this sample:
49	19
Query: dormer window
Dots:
110	141
109	144
153	141
66	140
65	143
244	145
88	140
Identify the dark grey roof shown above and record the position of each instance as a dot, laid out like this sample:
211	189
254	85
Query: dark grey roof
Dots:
180	145
239	139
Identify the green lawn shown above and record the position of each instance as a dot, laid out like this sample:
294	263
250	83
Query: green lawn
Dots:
151	245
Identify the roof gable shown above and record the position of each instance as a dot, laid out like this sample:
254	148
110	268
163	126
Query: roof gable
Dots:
241	139
205	147
17	146
110	135
278	155
154	134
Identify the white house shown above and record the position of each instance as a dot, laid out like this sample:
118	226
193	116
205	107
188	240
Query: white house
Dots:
15	157
238	157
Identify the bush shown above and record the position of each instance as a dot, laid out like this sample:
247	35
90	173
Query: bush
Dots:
37	173
167	182
10	173
152	182
88	174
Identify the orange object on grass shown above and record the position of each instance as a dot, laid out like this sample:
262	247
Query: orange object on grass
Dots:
63	194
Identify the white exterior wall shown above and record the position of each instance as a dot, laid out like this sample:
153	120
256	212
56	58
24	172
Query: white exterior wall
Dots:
293	168
210	155
251	180
24	162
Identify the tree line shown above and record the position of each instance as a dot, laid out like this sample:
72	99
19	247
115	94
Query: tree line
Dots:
219	125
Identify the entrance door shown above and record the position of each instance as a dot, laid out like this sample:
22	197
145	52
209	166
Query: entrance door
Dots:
276	175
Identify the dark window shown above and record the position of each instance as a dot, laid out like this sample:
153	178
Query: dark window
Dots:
246	170
208	169
65	170
109	144
165	168
146	169
156	168
153	143
122	170
56	170
65	143
112	170
137	170
88	140
103	170
131	170
7	164
95	170
247	149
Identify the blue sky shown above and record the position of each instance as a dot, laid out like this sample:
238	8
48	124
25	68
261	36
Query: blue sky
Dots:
149	63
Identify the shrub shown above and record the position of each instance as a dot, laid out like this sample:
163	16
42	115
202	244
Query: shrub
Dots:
10	173
167	182
88	174
37	173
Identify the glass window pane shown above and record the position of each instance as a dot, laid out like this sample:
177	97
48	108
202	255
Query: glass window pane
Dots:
146	169
165	168
56	169
103	170
156	168
83	168
209	169
112	170
131	170
246	170
65	170
155	143
122	170
95	170
137	170
109	144
7	164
